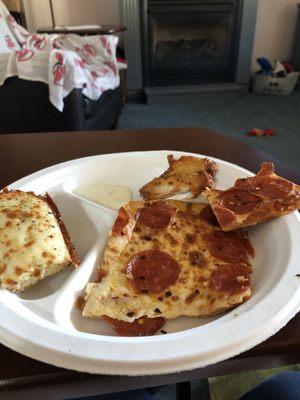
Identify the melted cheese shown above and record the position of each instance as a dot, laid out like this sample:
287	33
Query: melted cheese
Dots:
31	243
190	296
187	174
110	196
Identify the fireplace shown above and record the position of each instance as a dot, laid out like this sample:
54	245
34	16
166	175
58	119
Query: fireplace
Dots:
224	52
189	41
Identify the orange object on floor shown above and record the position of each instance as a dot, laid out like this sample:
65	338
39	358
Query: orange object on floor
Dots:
261	132
256	132
269	132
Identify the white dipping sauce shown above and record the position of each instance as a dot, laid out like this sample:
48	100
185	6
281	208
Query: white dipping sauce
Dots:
110	196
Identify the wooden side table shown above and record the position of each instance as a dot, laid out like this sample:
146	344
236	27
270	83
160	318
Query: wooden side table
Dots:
102	30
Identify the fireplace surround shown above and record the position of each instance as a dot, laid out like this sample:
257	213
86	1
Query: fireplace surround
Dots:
189	42
214	47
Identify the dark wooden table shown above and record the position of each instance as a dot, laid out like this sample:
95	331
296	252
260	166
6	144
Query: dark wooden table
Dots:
103	30
22	377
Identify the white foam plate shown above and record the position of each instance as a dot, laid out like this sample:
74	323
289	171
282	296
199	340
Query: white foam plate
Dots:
44	323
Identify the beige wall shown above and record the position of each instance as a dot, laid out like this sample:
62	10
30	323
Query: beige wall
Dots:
78	12
274	29
72	12
37	13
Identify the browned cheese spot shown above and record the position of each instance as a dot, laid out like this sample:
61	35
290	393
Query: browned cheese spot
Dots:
6	255
29	244
171	239
18	214
182	280
18	270
3	268
192	296
112	250
36	272
10	282
196	258
190	238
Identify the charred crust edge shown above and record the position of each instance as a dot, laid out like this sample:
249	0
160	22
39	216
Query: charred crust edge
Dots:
73	253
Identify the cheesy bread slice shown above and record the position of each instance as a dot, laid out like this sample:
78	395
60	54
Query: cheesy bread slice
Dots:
34	242
166	259
187	174
254	200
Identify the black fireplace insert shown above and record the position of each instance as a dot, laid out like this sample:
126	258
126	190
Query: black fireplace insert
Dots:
189	41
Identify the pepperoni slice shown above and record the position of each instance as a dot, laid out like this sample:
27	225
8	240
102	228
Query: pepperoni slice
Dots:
231	278
208	216
156	215
121	222
225	217
266	213
140	327
152	271
239	201
271	188
227	247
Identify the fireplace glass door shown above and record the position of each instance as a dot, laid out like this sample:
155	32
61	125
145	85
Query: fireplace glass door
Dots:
201	40
182	47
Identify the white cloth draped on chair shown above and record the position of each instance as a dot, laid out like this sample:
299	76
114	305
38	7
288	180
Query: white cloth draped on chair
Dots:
64	62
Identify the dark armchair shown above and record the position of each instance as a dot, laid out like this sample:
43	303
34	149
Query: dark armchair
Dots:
25	107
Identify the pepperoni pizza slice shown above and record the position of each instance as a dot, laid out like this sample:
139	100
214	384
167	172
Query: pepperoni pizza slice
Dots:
187	174
166	259
254	200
